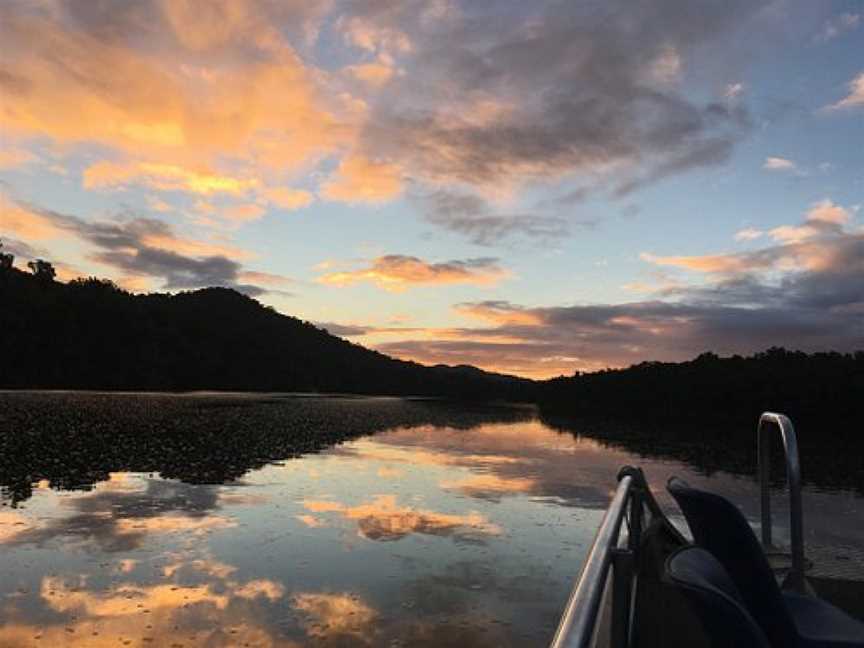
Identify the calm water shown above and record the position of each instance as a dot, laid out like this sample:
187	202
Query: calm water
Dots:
430	525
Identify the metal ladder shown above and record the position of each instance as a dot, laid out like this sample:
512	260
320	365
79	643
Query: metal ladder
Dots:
795	579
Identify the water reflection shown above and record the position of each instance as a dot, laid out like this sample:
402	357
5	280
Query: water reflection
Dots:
383	519
425	534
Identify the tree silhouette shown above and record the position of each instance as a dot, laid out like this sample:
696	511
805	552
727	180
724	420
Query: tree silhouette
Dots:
42	269
6	259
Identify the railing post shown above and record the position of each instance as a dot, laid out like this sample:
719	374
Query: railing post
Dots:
793	480
623	563
636	512
764	460
578	622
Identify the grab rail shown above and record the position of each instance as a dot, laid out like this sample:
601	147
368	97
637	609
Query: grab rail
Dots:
579	622
793	480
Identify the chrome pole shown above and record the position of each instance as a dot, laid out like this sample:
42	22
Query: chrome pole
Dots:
793	480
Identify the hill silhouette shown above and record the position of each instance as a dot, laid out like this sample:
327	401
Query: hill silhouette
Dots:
90	334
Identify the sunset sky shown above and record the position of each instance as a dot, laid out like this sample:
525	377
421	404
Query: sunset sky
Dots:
529	187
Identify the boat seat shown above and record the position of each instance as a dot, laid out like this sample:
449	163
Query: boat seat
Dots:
788	620
715	600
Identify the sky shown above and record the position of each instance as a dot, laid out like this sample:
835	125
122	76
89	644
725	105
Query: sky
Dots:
532	188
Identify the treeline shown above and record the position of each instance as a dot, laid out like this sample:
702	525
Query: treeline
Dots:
810	387
90	334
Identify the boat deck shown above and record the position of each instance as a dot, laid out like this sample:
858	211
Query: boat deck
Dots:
837	575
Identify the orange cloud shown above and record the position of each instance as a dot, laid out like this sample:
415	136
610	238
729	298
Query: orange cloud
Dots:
855	98
11	524
334	614
359	179
244	213
368	35
491	484
260	587
500	313
826	211
383	519
711	263
265	278
375	74
160	105
397	272
174	243
794	233
17	220
101	618
11	158
166	177
174	524
288	198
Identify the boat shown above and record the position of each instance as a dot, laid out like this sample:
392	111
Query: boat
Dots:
645	584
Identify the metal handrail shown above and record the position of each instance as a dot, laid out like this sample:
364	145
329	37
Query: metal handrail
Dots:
793	480
577	626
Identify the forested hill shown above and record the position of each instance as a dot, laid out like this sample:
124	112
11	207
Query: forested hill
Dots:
826	387
89	334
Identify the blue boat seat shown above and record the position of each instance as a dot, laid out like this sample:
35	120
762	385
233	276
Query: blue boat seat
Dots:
788	620
715	600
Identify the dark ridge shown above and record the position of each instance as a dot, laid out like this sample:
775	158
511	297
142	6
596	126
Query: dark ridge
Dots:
90	334
825	387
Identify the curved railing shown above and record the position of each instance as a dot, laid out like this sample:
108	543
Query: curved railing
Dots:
609	553
782	423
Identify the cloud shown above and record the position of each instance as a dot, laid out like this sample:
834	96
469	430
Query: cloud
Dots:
498	312
11	158
158	205
733	91
826	211
822	218
265	278
26	223
855	98
365	33
839	25
397	272
165	177
383	519
801	246
138	248
226	99
359	179
586	94
376	74
243	213
748	234
182	97
69	610
778	164
711	263
288	198
491	486
340	614
471	216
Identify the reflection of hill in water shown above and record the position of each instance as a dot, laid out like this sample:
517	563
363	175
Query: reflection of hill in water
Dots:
74	440
729	446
